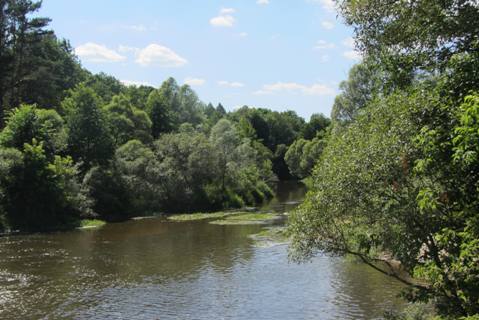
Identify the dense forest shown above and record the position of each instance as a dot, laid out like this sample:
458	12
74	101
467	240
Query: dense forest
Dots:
78	145
393	174
397	180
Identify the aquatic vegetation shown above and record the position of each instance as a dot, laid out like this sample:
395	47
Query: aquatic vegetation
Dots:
203	216
247	218
91	223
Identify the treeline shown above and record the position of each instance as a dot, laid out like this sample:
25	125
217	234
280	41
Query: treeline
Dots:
78	145
398	176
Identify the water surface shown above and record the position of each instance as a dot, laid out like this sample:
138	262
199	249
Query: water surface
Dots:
155	269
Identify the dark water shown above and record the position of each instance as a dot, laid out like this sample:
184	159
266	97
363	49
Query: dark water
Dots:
154	269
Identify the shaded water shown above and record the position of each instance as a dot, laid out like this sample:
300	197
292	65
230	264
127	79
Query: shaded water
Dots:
155	269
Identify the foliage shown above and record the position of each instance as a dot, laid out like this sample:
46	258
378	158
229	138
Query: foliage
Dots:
35	67
28	122
302	156
127	122
365	82
89	138
318	123
412	37
109	191
39	194
392	183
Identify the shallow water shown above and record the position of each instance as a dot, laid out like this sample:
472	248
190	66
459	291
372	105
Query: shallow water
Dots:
156	269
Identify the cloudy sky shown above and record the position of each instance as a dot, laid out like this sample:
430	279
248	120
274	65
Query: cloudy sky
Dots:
280	54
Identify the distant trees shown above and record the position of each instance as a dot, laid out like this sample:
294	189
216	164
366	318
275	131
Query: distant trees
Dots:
76	144
275	130
126	121
89	138
302	156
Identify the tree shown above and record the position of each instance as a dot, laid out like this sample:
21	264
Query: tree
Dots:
190	106
302	155
365	83
127	122
413	35
225	139
28	122
141	174
89	138
242	169
162	107
106	185
54	69
138	95
318	123
388	185
18	33
188	166
104	86
39	194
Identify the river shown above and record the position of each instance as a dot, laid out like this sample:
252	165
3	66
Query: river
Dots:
155	269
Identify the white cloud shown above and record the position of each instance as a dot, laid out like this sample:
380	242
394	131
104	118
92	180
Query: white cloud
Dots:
94	52
243	34
316	89
326	4
231	84
127	49
136	83
194	82
328	25
136	27
323	45
352	55
224	19
348	42
324	58
224	11
158	55
262	2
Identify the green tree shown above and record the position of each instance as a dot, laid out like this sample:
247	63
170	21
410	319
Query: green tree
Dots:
162	107
35	66
302	155
28	122
318	123
109	190
395	184
89	138
413	35
104	86
190	106
365	82
143	179
39	194
127	122
188	167
18	32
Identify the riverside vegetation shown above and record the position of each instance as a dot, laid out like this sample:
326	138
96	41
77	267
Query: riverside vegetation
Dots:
76	145
398	175
393	173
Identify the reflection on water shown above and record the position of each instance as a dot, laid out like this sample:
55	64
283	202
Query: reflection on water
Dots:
288	194
155	269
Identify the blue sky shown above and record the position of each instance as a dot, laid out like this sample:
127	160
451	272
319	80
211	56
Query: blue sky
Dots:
279	54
